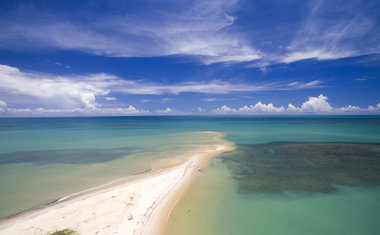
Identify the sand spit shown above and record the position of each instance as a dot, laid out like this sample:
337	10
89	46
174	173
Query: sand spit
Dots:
140	204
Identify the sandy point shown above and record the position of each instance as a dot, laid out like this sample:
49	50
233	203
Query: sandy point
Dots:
139	204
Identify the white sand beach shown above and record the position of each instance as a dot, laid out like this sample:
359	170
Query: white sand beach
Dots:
139	204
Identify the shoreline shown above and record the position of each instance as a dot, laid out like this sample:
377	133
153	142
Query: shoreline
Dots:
158	226
138	204
72	196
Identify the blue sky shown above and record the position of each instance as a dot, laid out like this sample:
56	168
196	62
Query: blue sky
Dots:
79	58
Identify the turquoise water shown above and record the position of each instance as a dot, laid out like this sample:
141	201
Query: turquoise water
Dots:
263	187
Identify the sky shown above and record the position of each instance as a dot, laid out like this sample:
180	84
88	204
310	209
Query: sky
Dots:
226	57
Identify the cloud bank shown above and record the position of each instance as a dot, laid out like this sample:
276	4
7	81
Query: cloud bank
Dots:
314	105
83	91
37	94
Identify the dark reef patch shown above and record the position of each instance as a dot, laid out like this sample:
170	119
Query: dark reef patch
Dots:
303	167
66	156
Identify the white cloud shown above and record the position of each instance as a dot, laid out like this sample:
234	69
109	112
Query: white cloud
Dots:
349	108
212	87
312	105
118	111
315	54
292	108
374	109
361	79
312	84
55	111
18	110
165	111
348	33
131	110
358	110
165	100
61	91
110	98
59	64
224	110
261	108
170	111
3	104
201	110
317	104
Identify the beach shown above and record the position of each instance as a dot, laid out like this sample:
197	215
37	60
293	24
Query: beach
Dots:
139	204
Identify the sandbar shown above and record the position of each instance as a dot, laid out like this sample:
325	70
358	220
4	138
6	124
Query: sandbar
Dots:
139	204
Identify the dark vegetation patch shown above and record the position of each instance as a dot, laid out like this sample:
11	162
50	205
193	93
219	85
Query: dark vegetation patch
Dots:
63	232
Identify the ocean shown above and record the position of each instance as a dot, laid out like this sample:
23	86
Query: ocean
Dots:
288	174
